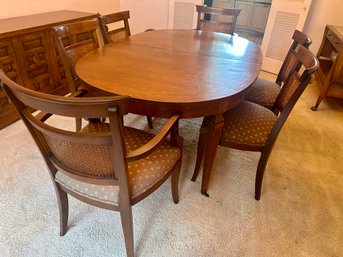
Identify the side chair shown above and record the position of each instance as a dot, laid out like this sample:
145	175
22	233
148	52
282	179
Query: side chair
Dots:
252	127
107	165
227	27
74	40
114	27
264	92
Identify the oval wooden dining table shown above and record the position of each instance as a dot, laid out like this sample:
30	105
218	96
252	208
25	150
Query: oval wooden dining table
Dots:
190	72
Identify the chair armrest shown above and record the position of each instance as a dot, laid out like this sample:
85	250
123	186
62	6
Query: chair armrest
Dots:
155	141
80	92
43	116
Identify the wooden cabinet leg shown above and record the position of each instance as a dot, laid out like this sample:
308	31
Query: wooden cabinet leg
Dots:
314	108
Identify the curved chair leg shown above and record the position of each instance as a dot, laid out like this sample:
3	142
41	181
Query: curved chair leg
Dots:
175	182
63	206
149	119
200	151
127	224
260	173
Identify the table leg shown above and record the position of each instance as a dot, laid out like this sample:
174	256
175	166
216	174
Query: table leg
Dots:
214	126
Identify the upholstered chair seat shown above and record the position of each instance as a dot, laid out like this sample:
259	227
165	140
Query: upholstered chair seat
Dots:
142	174
264	92
248	124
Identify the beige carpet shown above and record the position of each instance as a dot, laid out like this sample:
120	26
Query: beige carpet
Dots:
300	212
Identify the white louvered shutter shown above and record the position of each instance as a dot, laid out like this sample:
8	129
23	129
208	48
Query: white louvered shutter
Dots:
285	16
182	14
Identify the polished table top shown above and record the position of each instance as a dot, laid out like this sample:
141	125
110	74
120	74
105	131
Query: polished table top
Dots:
193	73
183	68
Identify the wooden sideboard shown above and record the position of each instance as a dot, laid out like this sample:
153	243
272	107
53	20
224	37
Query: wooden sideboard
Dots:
329	75
28	55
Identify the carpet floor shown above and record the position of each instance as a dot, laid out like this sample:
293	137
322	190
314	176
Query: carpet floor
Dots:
300	212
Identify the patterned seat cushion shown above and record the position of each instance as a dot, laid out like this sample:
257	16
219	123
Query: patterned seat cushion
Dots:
248	124
263	92
142	174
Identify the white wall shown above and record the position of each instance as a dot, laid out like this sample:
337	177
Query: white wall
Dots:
146	14
13	8
321	13
154	14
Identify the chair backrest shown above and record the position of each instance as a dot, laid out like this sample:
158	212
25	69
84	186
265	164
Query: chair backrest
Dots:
292	89
89	157
74	40
299	38
120	23
227	27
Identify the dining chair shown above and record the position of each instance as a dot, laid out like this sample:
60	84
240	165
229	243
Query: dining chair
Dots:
73	41
114	27
264	92
213	23
252	127
107	165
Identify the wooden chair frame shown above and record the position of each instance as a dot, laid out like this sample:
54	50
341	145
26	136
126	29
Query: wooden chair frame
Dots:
73	41
257	92
299	38
113	107
107	34
310	63
223	27
105	20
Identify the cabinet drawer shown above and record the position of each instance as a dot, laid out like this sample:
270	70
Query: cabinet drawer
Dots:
334	40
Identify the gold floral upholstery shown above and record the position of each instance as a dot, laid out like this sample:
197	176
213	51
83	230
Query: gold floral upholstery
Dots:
105	194
263	92
142	174
248	124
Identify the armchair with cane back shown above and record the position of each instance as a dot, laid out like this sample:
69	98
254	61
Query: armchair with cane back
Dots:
252	127
264	92
107	165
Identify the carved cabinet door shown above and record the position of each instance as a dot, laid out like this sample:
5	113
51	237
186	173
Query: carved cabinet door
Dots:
37	62
9	64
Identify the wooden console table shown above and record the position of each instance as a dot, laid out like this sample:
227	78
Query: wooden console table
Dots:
330	72
28	55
